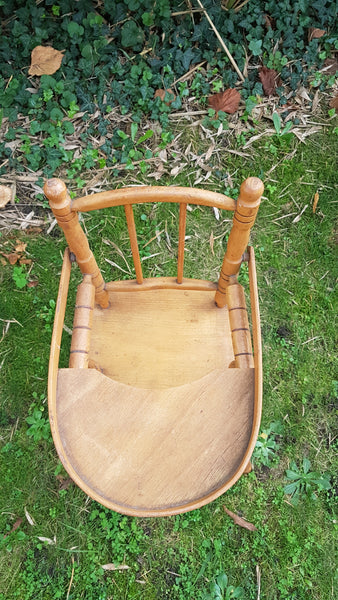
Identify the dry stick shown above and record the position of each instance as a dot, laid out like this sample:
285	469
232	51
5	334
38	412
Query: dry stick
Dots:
189	72
234	64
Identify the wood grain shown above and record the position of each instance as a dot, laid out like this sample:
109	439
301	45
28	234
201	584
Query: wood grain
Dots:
60	203
158	337
246	209
142	194
152	452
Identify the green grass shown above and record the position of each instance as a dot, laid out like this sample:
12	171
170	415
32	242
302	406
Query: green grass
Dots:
178	557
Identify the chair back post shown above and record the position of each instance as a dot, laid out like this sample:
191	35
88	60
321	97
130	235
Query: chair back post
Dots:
60	203
246	209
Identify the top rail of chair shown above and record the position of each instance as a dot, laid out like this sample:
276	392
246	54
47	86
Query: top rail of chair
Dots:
142	194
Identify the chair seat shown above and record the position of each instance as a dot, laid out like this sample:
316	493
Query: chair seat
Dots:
154	451
160	338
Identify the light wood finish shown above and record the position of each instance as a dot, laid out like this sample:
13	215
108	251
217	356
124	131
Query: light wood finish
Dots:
181	241
159	283
82	325
239	325
133	242
246	209
149	452
257	338
59	317
160	338
167	417
248	468
60	203
142	194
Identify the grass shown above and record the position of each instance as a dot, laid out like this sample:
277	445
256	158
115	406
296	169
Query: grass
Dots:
291	553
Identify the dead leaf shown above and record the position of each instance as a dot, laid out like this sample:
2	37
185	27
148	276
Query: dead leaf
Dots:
15	526
64	482
315	33
45	60
330	66
113	567
239	521
227	101
5	195
334	103
29	518
269	22
32	284
21	246
161	94
315	202
12	257
269	79
47	540
25	261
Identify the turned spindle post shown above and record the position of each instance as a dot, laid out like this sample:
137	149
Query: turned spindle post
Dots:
60	203
82	325
246	209
239	325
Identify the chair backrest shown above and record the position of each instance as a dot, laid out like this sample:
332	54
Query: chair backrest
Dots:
65	211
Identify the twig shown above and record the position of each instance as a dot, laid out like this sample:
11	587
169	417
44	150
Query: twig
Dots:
233	62
258	575
71	579
189	72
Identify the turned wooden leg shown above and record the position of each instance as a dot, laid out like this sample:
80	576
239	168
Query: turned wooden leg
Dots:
244	218
248	468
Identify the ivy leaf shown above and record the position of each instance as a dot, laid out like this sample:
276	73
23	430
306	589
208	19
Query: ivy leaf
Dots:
45	60
131	35
227	101
167	95
256	47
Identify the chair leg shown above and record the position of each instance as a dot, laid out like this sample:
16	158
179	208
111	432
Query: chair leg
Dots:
248	468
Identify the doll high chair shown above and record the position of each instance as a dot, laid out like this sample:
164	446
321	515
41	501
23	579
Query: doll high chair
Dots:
159	410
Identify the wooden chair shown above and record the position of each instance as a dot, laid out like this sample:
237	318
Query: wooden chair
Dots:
159	410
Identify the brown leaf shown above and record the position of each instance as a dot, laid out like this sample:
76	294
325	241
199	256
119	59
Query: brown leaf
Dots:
32	284
5	195
331	66
315	33
161	94
334	103
269	79
227	101
15	526
239	521
269	22
64	482
45	60
12	257
25	261
315	202
20	246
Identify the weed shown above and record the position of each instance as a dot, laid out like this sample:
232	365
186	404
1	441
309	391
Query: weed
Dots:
220	590
19	276
266	445
305	482
39	428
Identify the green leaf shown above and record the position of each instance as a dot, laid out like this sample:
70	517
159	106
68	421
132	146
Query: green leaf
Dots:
277	122
222	581
131	35
306	465
256	47
148	134
290	488
133	130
